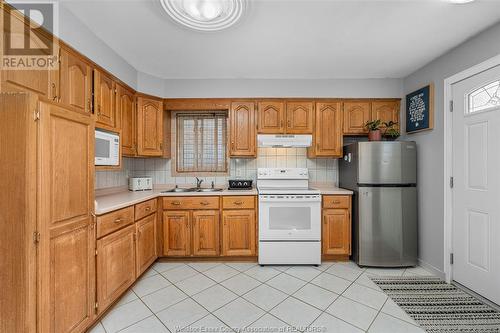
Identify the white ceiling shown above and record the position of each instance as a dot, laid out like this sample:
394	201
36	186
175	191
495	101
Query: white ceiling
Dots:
292	39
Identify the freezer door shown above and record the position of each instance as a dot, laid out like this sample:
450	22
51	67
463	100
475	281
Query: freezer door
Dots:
387	226
387	162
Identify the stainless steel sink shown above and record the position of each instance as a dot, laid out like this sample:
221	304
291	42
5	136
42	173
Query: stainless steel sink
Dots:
208	190
179	190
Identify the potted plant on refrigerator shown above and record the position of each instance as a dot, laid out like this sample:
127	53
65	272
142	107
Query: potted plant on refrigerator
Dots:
374	133
391	131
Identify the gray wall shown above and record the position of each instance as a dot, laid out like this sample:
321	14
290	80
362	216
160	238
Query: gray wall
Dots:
431	143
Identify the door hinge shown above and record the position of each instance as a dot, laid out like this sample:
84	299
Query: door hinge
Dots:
96	307
452	182
36	237
451	259
451	106
36	115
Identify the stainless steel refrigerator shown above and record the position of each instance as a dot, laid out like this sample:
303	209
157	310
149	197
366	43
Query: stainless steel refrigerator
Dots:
383	176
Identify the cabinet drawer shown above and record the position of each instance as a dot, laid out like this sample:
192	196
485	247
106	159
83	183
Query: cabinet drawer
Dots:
108	223
236	202
144	209
336	201
191	203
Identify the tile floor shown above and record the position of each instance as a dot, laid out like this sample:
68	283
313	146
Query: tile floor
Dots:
212	297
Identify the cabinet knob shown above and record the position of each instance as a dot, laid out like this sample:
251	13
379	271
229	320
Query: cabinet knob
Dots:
148	209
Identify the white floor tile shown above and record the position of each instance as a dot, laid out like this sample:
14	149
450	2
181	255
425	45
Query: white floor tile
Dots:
296	313
149	272
241	266
165	266
385	271
214	297
325	265
330	324
240	284
179	273
281	268
129	296
163	298
385	323
98	328
344	272
419	270
204	266
391	308
149	285
125	316
181	314
305	273
150	325
365	280
239	313
195	284
262	273
316	296
269	324
208	323
351	265
286	283
365	295
331	282
265	297
221	273
353	312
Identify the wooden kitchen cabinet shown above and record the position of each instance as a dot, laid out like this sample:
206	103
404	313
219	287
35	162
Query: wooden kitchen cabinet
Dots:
104	99
205	237
386	111
327	138
243	127
271	115
75	81
299	117
115	266
238	232
149	126
146	243
356	115
125	108
176	233
336	226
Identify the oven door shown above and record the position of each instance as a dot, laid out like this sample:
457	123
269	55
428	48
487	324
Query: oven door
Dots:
289	217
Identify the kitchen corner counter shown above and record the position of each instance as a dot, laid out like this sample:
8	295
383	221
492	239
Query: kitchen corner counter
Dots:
328	189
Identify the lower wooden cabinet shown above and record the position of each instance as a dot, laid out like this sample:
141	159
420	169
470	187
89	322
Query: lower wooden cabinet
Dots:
176	233
336	225
238	232
145	243
205	237
115	266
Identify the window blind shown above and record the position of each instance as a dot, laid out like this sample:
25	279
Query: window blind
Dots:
201	142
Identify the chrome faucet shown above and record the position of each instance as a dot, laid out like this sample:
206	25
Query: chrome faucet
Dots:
198	182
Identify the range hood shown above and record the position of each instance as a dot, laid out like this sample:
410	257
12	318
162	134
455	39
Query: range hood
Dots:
284	140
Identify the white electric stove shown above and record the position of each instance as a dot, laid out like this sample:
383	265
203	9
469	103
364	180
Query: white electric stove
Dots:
289	218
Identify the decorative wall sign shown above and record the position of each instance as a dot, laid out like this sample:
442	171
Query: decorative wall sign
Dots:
420	109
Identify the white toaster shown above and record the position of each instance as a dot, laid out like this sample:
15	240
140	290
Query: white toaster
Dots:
140	183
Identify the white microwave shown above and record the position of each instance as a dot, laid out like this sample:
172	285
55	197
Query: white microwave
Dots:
107	148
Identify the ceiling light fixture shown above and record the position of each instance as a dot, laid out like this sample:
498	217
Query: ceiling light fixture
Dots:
204	15
459	2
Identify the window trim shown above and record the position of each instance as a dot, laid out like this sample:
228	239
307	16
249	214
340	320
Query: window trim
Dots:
173	125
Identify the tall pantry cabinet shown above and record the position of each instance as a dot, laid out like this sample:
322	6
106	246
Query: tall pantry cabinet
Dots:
47	228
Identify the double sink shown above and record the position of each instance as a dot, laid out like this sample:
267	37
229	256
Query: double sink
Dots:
192	189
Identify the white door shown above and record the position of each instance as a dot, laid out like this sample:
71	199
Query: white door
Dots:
476	192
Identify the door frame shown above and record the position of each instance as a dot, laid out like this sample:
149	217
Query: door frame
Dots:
448	154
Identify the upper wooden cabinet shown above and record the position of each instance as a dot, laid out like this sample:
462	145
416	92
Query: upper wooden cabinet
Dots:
104	99
75	82
243	135
149	126
125	108
299	117
327	138
386	111
356	115
271	117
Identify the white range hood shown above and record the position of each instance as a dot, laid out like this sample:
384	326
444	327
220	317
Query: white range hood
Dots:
284	140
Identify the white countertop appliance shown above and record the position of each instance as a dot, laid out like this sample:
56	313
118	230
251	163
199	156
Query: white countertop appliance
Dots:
140	183
289	218
107	148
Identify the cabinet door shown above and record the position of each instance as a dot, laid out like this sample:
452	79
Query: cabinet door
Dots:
149	127
328	134
176	233
115	266
206	233
299	117
104	99
66	251
336	232
146	243
238	233
271	117
243	136
356	115
386	111
125	106
75	82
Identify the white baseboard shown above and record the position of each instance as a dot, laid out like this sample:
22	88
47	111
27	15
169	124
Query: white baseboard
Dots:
439	273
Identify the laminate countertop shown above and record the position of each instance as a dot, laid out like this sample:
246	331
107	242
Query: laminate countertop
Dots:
109	200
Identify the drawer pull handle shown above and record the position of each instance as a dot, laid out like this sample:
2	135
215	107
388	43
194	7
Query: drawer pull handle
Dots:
148	209
204	203
175	203
118	220
336	202
238	202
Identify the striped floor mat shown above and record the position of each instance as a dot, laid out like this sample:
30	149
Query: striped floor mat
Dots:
440	307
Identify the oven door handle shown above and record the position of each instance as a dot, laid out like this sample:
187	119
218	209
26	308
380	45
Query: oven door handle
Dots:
307	200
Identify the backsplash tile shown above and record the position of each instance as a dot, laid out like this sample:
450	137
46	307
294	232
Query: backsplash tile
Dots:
320	170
